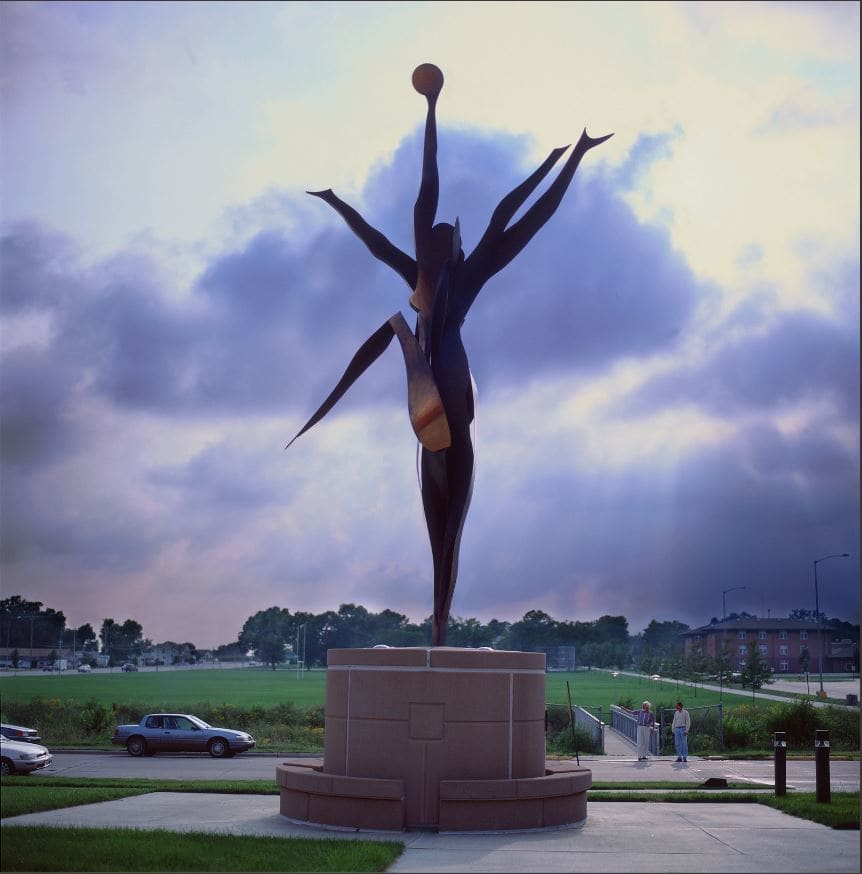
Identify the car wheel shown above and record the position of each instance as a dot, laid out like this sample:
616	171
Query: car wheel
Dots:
6	767
219	748
136	746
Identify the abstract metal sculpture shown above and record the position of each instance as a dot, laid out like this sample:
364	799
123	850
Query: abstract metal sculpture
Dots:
444	284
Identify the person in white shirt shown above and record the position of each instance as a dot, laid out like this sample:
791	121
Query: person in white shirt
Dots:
680	727
646	724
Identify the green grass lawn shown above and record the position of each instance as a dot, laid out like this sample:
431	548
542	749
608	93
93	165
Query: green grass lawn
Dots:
36	848
174	689
593	689
261	687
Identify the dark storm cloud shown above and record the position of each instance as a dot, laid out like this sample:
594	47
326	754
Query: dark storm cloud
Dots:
272	325
802	355
268	327
222	477
34	421
579	541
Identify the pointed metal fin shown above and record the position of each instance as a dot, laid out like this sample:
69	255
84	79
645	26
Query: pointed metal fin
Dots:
367	354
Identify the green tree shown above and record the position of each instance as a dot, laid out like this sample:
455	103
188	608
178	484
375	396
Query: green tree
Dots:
267	633
469	633
722	666
611	629
81	638
535	632
665	639
755	671
121	643
25	623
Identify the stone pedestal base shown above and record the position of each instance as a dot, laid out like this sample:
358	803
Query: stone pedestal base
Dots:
434	738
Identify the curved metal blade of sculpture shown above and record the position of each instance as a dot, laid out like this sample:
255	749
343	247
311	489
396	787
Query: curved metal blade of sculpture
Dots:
444	285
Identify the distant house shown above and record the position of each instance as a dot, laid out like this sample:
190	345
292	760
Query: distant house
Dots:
168	653
37	657
781	642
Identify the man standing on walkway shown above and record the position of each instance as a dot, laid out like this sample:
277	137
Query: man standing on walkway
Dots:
680	727
646	724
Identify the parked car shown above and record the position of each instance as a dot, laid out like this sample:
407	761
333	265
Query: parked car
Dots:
180	733
84	669
20	733
128	666
19	757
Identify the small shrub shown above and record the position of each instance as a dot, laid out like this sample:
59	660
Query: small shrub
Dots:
95	718
798	721
561	743
843	726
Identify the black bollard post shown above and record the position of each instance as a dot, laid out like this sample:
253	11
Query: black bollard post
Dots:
821	764
779	743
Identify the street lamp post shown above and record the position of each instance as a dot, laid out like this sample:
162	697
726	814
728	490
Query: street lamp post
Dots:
300	654
724	639
32	619
821	693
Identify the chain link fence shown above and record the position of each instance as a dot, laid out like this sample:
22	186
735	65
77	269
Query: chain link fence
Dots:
706	731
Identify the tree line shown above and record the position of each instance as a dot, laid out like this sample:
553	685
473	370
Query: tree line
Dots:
276	635
26	625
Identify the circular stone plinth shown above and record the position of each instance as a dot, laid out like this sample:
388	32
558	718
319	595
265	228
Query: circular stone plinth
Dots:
445	737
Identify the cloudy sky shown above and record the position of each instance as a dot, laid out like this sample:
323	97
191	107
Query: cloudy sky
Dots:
667	376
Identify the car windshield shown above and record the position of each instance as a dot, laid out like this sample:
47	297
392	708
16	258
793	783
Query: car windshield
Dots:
199	722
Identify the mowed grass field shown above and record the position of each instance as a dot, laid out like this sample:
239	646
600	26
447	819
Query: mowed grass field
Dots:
260	687
174	689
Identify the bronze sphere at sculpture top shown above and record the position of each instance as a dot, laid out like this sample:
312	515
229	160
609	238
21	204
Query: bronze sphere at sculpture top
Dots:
428	80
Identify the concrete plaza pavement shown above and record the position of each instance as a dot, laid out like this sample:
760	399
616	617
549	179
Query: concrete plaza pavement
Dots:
616	837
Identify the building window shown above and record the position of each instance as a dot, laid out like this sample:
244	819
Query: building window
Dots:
782	650
803	635
782	666
743	650
740	635
762	648
782	635
761	635
697	638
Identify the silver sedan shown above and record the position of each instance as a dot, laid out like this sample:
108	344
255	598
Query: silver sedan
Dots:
20	757
180	733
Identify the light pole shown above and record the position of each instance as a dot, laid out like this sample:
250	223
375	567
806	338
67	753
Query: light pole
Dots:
32	619
821	693
724	639
300	654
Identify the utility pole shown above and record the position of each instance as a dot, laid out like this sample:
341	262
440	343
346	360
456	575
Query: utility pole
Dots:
724	638
822	693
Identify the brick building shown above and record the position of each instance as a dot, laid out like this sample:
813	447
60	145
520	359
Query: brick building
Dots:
780	641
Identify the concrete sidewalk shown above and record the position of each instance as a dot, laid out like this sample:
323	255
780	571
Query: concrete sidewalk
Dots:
709	838
616	837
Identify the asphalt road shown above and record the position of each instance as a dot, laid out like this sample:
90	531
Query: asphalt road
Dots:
801	774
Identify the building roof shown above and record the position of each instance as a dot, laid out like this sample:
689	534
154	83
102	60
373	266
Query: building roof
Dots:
38	652
749	624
